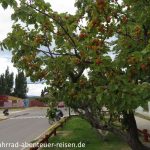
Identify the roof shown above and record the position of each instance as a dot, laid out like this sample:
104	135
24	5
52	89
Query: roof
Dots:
13	98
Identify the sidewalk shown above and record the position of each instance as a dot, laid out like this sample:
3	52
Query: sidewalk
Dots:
2	117
143	122
11	113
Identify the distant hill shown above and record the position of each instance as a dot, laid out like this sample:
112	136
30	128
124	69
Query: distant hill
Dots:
32	97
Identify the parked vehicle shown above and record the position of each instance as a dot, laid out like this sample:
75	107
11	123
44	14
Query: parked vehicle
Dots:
59	114
54	115
61	105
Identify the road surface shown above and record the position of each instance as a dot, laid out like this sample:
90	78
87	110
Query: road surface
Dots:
21	127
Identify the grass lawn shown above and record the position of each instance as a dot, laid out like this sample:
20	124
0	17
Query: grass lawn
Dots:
77	130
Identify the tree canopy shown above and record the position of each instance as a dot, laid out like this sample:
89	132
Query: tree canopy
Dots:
8	87
62	48
20	89
6	83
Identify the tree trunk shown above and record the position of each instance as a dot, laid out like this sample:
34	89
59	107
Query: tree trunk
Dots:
132	132
130	136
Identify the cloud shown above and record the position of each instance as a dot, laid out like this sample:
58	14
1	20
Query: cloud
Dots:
35	89
57	5
63	5
6	23
6	63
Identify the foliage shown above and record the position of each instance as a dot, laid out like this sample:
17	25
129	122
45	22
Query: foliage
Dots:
44	92
61	48
2	84
6	83
20	89
51	113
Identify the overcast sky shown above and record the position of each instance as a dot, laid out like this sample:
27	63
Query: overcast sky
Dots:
5	27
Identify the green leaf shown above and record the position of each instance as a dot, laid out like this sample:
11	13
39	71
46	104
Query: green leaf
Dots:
4	4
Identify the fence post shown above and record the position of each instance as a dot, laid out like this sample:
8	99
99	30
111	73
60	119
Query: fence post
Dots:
54	132
46	138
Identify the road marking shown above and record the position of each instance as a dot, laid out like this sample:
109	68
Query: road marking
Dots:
29	117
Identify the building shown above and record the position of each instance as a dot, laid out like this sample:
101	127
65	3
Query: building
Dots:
10	101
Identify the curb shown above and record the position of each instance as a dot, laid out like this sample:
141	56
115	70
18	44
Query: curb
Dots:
2	119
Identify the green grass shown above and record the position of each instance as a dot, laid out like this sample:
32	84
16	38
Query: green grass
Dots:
77	130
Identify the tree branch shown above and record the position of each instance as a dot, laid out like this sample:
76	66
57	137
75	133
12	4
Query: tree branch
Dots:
145	35
66	32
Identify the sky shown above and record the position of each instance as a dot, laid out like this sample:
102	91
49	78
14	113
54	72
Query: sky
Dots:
5	28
